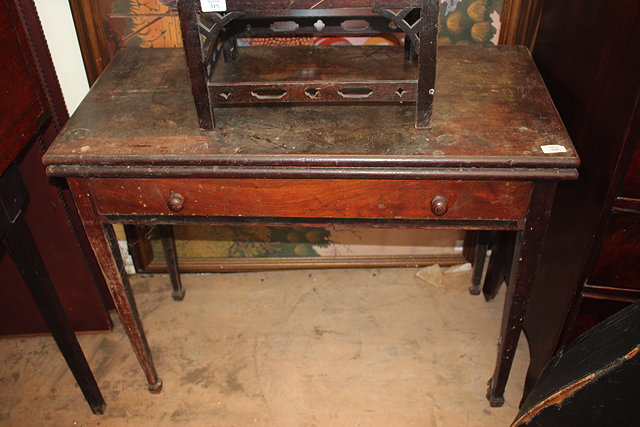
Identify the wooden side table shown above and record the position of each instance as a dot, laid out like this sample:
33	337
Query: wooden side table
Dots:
313	75
133	153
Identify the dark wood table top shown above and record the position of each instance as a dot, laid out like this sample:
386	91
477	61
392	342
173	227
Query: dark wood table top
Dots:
492	114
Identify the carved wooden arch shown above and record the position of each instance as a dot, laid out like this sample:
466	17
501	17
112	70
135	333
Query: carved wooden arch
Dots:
411	30
210	25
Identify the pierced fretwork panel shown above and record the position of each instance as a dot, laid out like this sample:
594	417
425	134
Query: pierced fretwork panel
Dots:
402	18
210	25
288	92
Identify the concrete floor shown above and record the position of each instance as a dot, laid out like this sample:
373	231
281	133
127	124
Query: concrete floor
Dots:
368	347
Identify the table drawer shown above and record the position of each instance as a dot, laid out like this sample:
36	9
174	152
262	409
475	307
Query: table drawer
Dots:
312	198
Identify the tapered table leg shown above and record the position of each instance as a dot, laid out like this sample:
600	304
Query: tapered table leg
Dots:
23	251
171	257
528	246
105	246
499	268
479	260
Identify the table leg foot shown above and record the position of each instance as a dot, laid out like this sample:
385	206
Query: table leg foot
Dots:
16	238
495	400
171	257
178	295
155	388
98	409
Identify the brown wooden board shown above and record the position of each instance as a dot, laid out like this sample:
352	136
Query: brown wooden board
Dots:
618	261
318	198
631	184
315	63
492	111
31	93
313	74
22	113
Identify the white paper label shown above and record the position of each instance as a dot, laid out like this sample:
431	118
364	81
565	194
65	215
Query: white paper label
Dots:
548	149
213	5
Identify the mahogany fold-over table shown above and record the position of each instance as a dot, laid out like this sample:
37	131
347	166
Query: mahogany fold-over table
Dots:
133	153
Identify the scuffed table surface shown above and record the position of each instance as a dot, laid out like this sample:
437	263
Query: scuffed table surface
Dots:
491	110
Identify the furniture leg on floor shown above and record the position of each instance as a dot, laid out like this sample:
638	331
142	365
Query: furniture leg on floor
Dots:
171	258
19	243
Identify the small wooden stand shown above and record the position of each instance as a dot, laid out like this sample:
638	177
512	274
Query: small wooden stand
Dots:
310	74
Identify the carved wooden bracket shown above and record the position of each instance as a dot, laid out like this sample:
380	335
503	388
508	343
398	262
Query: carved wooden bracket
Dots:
412	30
209	26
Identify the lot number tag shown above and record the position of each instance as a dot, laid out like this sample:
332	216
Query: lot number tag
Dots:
213	5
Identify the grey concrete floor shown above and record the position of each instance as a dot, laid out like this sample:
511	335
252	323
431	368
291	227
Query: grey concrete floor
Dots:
364	347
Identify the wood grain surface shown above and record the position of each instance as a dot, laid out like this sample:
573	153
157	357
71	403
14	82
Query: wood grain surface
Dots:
313	198
21	110
491	110
619	255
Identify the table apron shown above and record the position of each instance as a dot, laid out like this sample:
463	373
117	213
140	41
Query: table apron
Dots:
327	199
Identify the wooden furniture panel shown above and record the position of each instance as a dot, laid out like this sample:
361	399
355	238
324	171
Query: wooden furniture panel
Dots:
32	111
88	22
618	261
520	20
594	307
314	198
26	114
22	112
312	74
631	184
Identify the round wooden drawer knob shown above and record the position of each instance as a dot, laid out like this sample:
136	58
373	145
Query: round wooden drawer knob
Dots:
439	205
175	202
